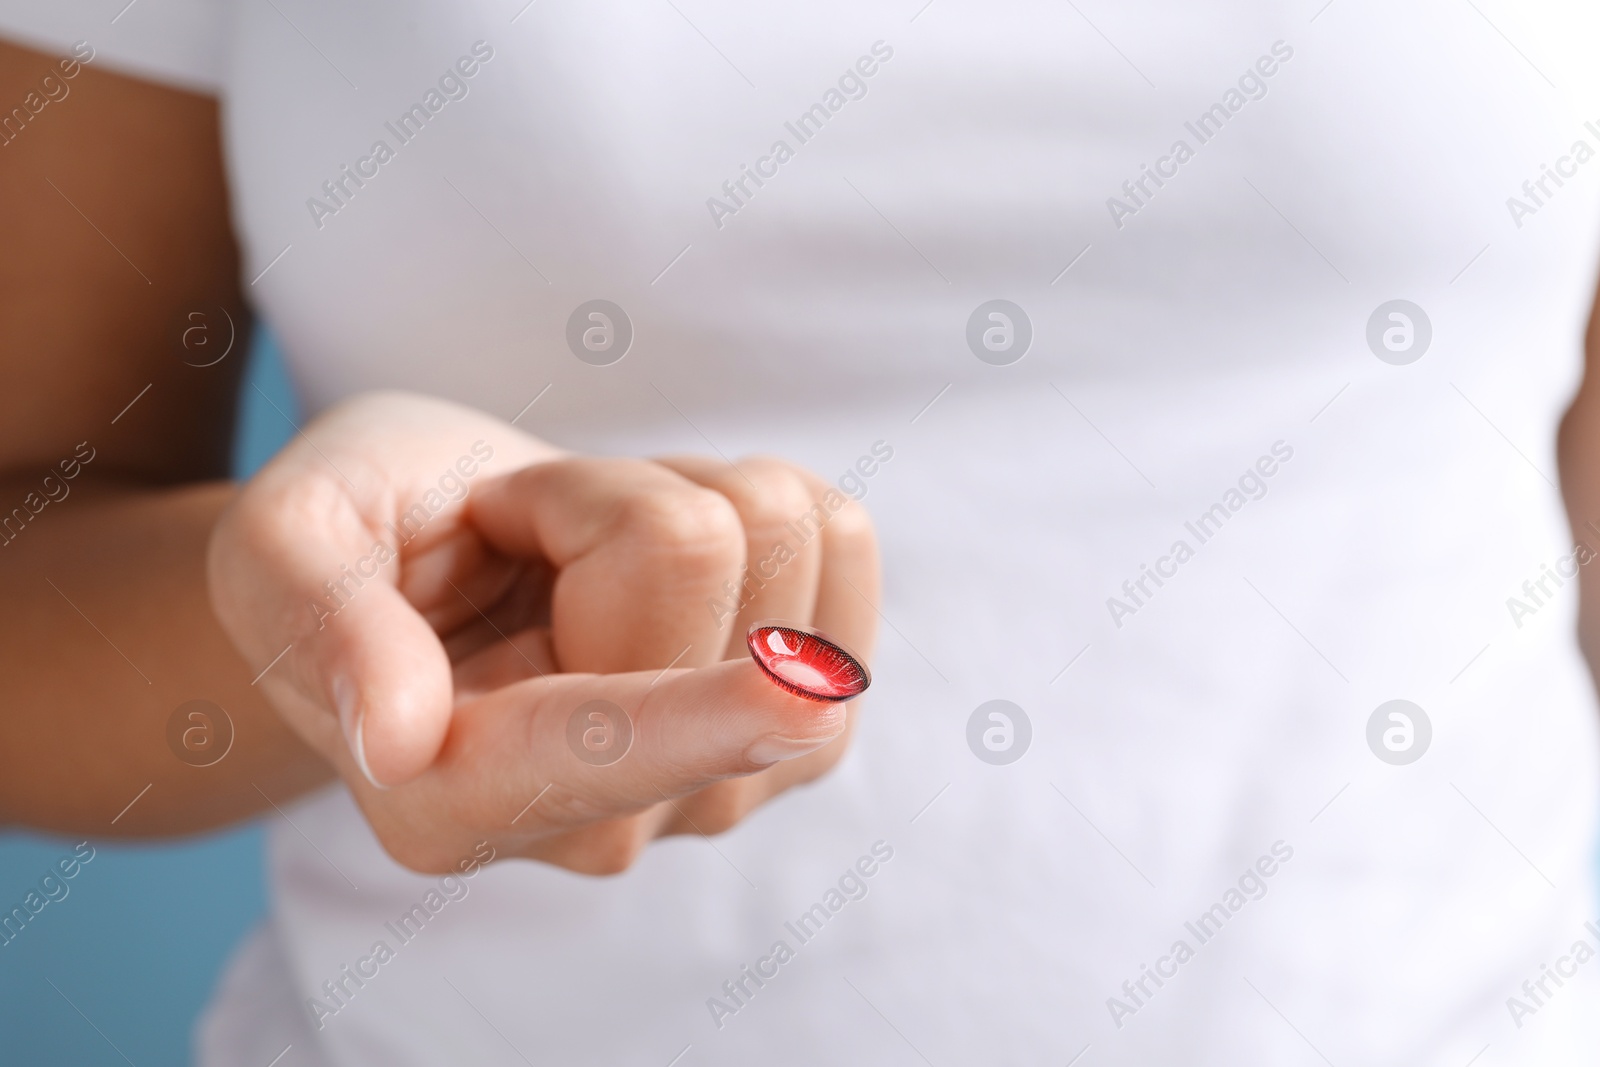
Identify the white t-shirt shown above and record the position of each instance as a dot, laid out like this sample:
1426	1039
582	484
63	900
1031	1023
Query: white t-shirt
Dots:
1206	847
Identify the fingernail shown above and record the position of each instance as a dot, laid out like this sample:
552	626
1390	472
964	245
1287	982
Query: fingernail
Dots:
777	749
352	720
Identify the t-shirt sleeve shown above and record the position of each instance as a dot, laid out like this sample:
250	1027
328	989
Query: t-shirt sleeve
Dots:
180	42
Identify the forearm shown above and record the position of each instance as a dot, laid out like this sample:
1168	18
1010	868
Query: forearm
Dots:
107	630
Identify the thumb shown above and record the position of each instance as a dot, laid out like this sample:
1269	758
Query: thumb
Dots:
364	678
379	668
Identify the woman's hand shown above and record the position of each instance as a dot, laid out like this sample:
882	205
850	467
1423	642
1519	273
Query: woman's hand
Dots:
450	591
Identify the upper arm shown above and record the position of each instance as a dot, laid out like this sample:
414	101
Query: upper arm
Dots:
114	229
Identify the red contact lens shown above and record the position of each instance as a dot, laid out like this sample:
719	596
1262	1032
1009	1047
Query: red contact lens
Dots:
807	663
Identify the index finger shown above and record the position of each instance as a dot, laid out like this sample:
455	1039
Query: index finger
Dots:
517	759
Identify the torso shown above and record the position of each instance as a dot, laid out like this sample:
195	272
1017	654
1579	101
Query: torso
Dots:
1176	340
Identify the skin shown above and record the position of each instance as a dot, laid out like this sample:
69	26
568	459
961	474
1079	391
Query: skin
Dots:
556	580
1578	456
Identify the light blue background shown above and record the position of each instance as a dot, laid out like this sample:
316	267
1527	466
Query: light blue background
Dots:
140	938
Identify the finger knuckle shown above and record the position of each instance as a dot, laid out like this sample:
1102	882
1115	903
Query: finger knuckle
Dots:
689	524
610	848
777	496
723	807
851	528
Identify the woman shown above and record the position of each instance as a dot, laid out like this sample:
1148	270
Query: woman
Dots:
1201	370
